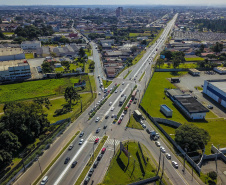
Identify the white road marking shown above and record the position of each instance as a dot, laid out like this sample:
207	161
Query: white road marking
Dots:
70	163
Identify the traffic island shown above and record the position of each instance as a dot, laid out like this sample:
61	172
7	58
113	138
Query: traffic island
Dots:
91	161
132	123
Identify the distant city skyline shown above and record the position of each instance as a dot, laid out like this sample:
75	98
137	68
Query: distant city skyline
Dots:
115	2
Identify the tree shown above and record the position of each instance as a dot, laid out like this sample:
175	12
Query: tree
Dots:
71	95
176	62
2	36
202	48
129	61
168	54
191	137
133	49
92	65
217	48
46	67
81	53
160	62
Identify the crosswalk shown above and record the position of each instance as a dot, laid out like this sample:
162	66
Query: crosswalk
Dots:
108	142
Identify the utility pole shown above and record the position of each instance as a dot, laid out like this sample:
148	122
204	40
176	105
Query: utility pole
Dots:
129	114
184	159
217	156
114	146
159	162
40	166
162	170
93	151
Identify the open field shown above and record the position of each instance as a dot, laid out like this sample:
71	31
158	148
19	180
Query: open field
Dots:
182	65
154	97
29	55
8	33
40	88
194	59
120	173
139	34
59	69
134	124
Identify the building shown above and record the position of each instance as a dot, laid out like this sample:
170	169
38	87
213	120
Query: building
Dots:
30	45
7	54
175	80
194	72
216	89
187	104
220	70
16	69
119	11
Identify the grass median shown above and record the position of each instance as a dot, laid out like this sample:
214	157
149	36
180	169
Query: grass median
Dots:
142	76
134	124
90	162
127	74
54	160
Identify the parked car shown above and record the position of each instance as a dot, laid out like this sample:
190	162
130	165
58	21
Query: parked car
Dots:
97	119
110	103
123	83
144	126
148	131
74	164
96	140
157	143
168	156
105	126
106	117
86	180
116	91
112	116
70	147
98	130
81	141
91	172
119	122
99	93
95	164
112	108
103	150
209	106
99	157
81	134
162	149
66	160
174	163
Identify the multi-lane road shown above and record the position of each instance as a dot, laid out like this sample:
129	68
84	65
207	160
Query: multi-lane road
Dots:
61	173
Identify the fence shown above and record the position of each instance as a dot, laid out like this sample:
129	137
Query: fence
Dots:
192	163
153	179
168	122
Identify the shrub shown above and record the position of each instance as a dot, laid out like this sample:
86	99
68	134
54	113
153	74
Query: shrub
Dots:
212	175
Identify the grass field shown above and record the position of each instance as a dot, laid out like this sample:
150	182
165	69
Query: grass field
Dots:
33	89
182	65
89	53
59	69
134	124
154	97
8	33
194	59
58	103
29	55
106	83
121	173
139	34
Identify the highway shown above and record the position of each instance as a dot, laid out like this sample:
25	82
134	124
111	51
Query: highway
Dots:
61	173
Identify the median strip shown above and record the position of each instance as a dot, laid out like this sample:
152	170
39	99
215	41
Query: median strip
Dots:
54	160
142	76
90	162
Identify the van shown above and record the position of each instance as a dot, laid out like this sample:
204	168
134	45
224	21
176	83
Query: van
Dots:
44	180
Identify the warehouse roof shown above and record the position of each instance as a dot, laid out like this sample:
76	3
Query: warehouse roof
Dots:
190	104
220	85
10	51
12	63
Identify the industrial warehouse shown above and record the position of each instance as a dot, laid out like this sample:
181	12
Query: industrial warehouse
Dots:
216	89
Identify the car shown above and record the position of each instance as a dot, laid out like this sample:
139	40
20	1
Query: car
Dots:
98	130
81	134
106	117
110	103
157	143
162	149
142	118
157	135
86	180
119	122
123	83
95	164
44	180
123	115
144	126
103	150
141	122
112	108
66	160
116	91
130	100
99	93
70	147
174	163
148	131
112	116
110	89
135	102
99	157
91	172
98	102
105	126
209	106
120	90
97	119
74	164
168	156
122	95
81	141
96	140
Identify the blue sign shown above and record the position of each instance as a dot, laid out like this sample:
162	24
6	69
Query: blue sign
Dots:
162	56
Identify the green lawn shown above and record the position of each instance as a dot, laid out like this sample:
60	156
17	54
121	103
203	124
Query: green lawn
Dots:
29	55
8	33
33	89
106	83
138	57
89	53
73	66
60	102
154	97
134	124
182	65
120	173
59	69
194	59
139	34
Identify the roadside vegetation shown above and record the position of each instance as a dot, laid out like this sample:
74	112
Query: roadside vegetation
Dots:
132	123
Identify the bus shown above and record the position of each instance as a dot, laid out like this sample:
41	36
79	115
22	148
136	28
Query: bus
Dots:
134	94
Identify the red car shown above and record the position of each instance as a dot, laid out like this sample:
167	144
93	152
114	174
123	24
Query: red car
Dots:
103	150
130	100
119	122
96	140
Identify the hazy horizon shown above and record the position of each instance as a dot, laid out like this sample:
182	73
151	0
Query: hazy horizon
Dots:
116	2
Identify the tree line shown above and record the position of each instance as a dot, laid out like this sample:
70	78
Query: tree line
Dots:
211	25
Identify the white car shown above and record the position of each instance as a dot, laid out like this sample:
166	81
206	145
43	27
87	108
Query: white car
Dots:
168	156
99	93
110	103
157	143
110	89
97	119
112	108
144	126
174	163
141	122
116	91
81	141
123	115
162	149
123	83
112	116
120	90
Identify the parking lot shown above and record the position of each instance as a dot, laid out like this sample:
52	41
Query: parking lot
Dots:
188	84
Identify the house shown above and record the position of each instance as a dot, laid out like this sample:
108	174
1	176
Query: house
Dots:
30	45
107	43
43	51
57	65
7	54
113	69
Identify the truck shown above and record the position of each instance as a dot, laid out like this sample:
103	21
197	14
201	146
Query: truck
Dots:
122	100
137	114
134	94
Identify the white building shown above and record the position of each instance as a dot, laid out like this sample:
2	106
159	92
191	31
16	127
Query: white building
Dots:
216	89
220	70
166	110
30	45
7	54
190	106
17	69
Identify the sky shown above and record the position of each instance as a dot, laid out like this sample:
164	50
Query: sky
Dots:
113	2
